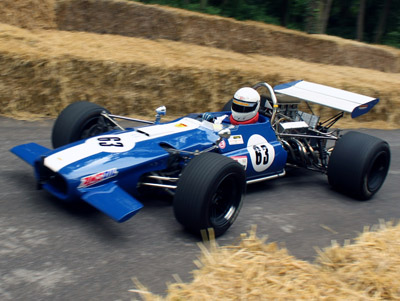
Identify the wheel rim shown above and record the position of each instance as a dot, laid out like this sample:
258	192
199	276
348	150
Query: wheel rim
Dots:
225	201
377	173
93	126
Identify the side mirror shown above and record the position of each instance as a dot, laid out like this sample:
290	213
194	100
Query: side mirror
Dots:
161	111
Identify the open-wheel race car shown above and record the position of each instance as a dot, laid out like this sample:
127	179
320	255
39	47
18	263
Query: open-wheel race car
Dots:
206	164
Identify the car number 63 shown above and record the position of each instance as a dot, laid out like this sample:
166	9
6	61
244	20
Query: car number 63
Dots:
261	152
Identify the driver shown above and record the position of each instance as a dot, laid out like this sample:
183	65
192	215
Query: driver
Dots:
245	106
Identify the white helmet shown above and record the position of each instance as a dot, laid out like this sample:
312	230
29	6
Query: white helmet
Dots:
245	104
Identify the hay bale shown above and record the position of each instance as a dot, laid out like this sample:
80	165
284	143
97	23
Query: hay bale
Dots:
134	19
255	270
32	14
43	71
370	264
157	22
128	18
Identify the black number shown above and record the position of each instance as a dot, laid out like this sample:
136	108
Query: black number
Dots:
262	155
266	155
258	154
110	141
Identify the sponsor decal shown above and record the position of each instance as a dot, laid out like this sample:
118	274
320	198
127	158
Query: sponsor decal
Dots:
180	125
97	178
242	160
262	154
222	144
235	139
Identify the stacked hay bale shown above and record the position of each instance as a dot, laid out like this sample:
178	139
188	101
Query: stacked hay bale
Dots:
44	69
157	22
31	14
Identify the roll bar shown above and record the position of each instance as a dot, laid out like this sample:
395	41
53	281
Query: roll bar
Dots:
273	97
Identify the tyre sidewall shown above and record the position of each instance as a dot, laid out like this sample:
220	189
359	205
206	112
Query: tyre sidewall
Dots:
197	187
366	190
68	126
228	171
352	160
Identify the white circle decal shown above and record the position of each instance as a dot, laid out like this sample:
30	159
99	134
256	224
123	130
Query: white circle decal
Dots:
262	154
112	143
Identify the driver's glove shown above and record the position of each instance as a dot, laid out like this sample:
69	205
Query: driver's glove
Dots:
208	117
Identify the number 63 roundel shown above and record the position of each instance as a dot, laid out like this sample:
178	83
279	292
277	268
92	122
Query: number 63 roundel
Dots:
262	153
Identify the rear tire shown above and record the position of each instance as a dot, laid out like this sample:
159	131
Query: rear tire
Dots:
78	121
210	193
358	165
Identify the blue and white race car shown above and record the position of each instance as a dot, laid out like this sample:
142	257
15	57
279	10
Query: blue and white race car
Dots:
204	164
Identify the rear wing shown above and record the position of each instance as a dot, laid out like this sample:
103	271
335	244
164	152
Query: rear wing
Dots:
338	99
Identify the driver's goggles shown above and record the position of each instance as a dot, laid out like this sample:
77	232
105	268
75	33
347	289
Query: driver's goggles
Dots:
241	106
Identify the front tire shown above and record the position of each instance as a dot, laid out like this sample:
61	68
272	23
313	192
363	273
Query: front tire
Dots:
358	165
210	193
78	121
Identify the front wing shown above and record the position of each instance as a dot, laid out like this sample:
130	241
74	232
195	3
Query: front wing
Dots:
109	198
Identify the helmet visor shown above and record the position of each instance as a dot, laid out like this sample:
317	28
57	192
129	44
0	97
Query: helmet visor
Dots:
241	106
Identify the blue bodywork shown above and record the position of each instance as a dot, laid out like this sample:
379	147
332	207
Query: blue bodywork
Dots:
106	170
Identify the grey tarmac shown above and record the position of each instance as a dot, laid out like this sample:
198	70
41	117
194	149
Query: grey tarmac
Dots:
55	251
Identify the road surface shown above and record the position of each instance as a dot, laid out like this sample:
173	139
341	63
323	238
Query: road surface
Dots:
53	251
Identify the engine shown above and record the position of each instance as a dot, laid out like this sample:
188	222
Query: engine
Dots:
302	135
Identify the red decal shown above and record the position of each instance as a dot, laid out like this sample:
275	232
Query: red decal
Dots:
97	178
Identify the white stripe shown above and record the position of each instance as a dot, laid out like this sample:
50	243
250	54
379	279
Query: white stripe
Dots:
67	156
92	147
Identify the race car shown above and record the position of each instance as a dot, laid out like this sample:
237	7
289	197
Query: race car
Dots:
206	164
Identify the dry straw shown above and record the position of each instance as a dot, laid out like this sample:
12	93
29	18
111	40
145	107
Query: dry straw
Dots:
256	270
44	70
156	22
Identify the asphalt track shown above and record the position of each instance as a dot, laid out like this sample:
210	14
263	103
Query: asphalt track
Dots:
53	251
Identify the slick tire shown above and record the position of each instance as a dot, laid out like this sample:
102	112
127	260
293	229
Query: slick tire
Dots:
358	165
210	193
77	121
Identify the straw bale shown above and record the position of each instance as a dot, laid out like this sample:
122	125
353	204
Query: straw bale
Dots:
158	22
135	19
256	270
30	14
44	70
370	264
